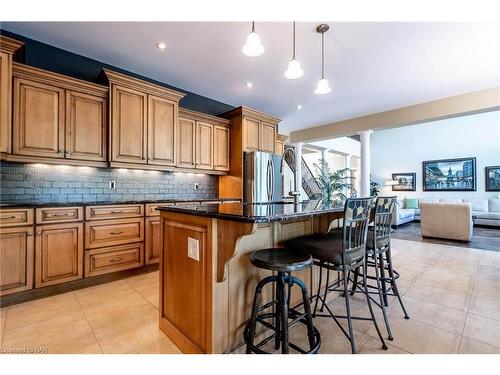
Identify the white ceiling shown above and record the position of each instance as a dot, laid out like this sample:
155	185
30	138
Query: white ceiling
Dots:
371	67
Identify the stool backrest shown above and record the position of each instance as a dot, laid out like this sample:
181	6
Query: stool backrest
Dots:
384	206
355	229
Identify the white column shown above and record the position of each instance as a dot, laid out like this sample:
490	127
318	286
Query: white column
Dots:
323	158
347	164
365	163
298	168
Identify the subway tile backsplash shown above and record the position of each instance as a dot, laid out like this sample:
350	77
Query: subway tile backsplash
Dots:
34	183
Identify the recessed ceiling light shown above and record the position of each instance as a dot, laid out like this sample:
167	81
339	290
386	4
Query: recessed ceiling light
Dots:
161	46
249	85
299	107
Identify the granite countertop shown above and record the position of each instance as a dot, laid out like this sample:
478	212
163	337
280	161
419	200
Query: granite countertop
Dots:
68	204
255	213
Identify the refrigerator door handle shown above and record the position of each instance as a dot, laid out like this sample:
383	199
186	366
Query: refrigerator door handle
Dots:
268	182
271	191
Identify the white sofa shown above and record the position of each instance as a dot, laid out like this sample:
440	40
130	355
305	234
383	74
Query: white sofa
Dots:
484	211
447	220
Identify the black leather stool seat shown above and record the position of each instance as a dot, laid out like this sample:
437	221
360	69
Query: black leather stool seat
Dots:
281	260
326	247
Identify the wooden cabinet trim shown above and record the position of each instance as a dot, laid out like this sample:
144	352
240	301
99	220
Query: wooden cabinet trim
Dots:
46	215
19	273
11	217
151	209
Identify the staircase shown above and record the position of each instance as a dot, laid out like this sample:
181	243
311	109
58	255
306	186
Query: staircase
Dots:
309	182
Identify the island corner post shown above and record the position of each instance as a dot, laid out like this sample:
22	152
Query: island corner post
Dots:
206	297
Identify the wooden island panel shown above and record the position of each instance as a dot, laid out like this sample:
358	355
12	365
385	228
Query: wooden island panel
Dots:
205	304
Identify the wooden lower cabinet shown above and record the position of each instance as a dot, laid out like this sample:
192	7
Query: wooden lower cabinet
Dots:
153	240
58	253
16	260
112	259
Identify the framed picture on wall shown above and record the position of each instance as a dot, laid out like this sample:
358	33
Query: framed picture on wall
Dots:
449	174
492	174
405	181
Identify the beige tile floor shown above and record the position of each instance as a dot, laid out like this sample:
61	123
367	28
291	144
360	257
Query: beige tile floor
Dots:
451	293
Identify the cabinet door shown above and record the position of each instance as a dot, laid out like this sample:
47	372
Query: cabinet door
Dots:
128	125
5	101
38	126
186	134
16	260
161	131
280	147
204	145
58	253
221	148
267	137
85	127
251	134
153	240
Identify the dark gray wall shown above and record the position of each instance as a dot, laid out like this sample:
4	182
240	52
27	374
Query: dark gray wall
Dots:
29	183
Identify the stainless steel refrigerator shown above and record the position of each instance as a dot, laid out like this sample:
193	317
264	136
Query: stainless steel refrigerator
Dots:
262	177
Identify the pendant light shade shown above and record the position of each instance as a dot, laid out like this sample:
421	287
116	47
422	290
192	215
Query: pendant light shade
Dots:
294	70
253	47
323	85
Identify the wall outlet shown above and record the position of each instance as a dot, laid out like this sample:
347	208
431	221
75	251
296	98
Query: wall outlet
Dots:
194	249
196	186
112	185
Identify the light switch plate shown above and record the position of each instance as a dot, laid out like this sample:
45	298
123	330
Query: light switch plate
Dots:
193	249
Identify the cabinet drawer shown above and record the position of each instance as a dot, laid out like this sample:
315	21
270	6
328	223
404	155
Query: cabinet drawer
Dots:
151	209
112	259
114	212
113	232
11	217
58	215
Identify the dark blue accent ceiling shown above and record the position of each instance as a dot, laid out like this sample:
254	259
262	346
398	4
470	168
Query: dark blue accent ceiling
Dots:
44	56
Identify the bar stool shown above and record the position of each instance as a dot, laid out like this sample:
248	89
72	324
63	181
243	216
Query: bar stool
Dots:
380	259
283	262
342	251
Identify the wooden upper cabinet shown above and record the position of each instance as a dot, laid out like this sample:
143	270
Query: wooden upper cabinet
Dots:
16	259
187	145
162	124
85	126
267	137
280	144
7	47
38	119
58	253
143	122
204	145
221	148
128	125
251	134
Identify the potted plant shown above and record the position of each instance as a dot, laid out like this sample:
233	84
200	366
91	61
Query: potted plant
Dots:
333	184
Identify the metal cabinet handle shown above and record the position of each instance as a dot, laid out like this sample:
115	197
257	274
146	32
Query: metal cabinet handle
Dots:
58	215
114	260
116	212
7	217
115	232
38	233
30	234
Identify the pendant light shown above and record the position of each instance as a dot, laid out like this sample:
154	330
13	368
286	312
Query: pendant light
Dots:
294	70
253	47
323	85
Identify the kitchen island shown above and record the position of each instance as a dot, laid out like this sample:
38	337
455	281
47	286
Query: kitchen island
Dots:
206	279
